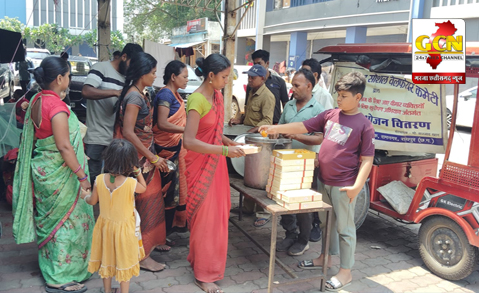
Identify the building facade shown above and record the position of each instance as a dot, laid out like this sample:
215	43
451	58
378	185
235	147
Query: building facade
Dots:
79	16
292	30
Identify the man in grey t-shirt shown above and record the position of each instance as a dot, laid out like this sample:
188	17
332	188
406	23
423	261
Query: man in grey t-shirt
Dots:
102	88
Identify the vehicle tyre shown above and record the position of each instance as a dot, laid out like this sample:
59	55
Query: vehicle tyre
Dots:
362	206
445	250
448	118
235	109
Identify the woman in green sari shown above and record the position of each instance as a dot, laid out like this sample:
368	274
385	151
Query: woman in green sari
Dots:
52	167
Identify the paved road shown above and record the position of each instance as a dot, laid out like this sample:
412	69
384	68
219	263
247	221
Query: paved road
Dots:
395	267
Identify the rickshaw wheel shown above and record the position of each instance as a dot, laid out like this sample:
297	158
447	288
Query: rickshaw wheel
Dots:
445	250
362	206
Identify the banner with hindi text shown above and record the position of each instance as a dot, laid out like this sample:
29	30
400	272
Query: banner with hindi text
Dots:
406	116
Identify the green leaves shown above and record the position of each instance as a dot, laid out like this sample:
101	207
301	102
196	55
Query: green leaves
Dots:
155	19
57	39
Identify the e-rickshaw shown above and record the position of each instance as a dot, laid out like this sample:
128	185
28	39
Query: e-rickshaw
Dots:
446	206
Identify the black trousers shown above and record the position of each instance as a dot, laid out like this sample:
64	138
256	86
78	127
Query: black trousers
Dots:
95	163
291	223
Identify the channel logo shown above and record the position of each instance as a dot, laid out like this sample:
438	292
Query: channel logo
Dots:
438	48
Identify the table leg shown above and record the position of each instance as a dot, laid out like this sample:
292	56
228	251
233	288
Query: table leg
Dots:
272	254
326	249
240	214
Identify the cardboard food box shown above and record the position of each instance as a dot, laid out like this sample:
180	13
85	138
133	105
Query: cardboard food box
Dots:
285	187
271	191
250	148
302	195
299	174
299	205
290	180
281	162
294	154
293	168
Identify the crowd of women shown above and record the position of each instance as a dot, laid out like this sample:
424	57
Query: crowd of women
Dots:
165	170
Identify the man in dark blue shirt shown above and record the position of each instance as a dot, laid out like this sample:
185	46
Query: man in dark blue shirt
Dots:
273	82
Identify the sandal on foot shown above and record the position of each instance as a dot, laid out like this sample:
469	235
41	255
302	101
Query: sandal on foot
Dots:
335	285
260	222
170	242
218	289
62	289
163	248
308	265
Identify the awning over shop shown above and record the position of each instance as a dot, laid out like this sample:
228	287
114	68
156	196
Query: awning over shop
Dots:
185	45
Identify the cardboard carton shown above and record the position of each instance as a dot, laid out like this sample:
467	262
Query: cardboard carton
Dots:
294	154
250	148
302	195
280	162
290	180
299	205
299	174
293	168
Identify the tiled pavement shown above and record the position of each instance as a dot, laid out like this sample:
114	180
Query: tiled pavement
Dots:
395	267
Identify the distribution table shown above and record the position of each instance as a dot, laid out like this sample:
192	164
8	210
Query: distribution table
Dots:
261	199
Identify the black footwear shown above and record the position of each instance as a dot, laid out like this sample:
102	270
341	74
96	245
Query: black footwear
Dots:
298	249
236	210
316	233
285	244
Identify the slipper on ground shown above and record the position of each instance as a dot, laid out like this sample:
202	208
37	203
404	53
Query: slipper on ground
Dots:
335	284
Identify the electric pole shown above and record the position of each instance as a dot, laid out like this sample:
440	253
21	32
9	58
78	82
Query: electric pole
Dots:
104	29
229	52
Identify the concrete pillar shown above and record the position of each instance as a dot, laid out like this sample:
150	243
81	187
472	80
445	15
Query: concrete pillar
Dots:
266	43
298	48
260	20
416	11
356	34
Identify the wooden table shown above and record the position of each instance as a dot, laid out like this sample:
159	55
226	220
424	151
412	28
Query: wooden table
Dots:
260	198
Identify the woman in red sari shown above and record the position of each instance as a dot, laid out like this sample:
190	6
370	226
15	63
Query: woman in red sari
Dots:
208	201
170	120
135	122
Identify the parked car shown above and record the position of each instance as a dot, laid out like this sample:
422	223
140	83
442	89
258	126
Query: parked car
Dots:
79	71
6	82
465	107
194	82
37	55
239	90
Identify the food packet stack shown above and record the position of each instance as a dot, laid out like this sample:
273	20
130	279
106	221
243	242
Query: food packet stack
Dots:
299	199
290	170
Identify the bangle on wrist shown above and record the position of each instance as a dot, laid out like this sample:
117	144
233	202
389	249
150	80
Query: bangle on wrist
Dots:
83	179
155	161
78	169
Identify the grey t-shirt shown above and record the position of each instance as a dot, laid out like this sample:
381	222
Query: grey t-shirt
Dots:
100	114
135	98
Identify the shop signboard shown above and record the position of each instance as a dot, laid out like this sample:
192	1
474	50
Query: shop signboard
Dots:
197	25
406	116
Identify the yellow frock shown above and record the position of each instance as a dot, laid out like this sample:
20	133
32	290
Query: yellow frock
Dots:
116	249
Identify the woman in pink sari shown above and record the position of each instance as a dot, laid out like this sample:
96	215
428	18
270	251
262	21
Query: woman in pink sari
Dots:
208	201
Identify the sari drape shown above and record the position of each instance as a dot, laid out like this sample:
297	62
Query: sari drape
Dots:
170	146
208	201
150	204
63	222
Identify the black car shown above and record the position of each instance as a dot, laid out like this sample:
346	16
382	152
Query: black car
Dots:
80	67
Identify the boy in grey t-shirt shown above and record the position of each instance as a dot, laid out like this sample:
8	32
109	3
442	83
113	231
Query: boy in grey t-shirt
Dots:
102	88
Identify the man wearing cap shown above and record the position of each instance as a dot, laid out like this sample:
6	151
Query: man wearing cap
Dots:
259	109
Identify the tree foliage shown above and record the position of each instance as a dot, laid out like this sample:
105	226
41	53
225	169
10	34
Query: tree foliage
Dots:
57	39
154	20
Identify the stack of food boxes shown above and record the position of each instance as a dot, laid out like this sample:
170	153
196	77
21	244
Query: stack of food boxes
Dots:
290	179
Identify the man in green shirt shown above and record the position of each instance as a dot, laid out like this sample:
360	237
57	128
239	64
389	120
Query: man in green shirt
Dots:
259	108
301	108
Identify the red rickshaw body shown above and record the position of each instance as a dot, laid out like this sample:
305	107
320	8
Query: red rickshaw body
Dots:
455	193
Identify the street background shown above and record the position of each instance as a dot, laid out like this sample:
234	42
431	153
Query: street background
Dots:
387	258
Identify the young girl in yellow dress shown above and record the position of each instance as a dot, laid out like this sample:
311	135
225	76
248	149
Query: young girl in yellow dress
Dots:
116	246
